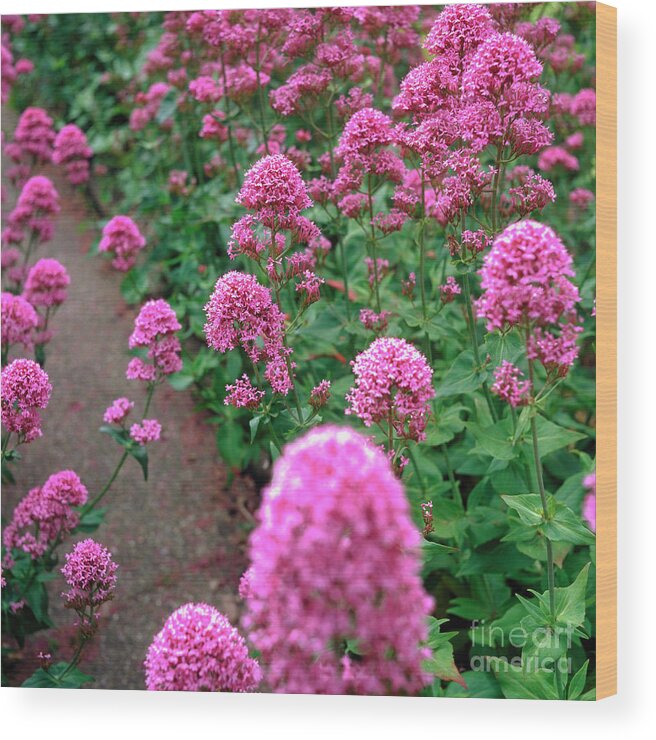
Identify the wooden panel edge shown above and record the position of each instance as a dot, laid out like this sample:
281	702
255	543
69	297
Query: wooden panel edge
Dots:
606	164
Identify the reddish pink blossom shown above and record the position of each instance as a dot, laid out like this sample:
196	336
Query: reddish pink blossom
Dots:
199	650
393	383
35	209
25	389
122	238
525	278
320	394
556	156
308	286
584	107
581	198
376	322
449	290
90	574
335	558
73	152
274	185
19	320
33	137
118	411
509	386
46	283
148	431
45	515
243	394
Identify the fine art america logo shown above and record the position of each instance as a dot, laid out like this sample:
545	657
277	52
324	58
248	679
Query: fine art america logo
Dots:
540	648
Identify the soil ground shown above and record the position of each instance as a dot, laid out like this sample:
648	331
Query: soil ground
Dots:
179	537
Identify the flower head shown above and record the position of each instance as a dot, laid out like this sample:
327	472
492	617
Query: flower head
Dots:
36	206
243	394
509	386
274	184
148	431
46	283
525	277
19	320
122	238
590	501
25	388
73	152
90	573
335	559
393	381
199	650
118	411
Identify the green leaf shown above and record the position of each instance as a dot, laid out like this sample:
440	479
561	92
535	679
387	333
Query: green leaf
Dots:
441	664
570	601
50	679
529	507
180	381
552	437
230	441
140	454
91	520
461	377
577	684
118	434
134	286
254	424
480	685
566	526
495	440
519	683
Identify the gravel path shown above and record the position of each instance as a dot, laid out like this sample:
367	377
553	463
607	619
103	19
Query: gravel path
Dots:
180	536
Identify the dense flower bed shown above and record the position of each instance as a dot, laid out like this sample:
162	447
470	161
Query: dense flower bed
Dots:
373	231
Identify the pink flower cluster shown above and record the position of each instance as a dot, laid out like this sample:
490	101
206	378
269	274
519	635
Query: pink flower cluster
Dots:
241	313
118	412
90	574
122	238
19	320
320	394
525	278
199	650
393	383
449	290
148	431
243	394
155	330
35	209
335	561
509	386
73	152
25	389
46	283
525	281
33	139
45	515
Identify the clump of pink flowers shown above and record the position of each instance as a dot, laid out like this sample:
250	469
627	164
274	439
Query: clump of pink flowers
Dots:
335	558
155	332
90	574
45	515
449	290
19	320
72	151
33	139
148	431
243	394
118	412
199	650
393	386
26	388
121	238
46	283
242	313
509	386
33	216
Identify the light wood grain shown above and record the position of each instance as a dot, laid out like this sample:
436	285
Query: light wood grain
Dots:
606	351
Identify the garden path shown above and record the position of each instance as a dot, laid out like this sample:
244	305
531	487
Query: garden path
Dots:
179	537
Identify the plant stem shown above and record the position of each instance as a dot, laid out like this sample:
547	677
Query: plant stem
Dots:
474	341
373	241
545	509
455	489
92	504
